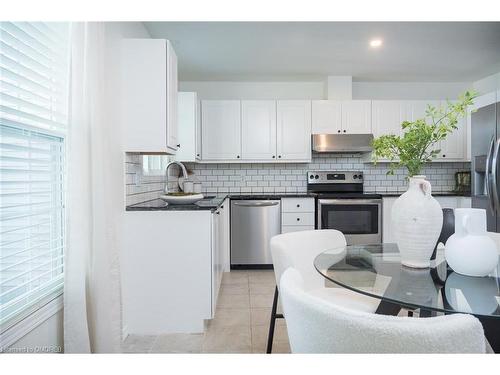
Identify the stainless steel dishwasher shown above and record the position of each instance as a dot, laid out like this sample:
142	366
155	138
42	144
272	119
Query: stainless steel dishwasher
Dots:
253	223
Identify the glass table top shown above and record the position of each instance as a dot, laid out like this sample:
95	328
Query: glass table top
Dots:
376	270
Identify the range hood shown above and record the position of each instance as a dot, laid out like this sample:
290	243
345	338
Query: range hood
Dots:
359	143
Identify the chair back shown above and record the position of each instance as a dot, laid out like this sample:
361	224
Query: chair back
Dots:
318	326
298	250
447	229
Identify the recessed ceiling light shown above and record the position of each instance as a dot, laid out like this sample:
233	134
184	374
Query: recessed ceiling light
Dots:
375	43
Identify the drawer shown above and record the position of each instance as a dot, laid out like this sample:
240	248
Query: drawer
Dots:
297	204
295	228
298	218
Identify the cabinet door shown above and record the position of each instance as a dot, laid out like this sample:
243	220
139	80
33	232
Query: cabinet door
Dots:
187	123
258	129
454	147
387	117
172	110
294	130
144	84
326	117
221	129
356	117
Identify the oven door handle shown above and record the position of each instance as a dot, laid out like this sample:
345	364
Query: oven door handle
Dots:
349	201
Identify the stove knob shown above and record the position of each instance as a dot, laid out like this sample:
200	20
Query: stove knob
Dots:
316	177
355	176
311	177
360	176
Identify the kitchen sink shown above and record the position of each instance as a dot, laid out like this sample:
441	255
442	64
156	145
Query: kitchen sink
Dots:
181	198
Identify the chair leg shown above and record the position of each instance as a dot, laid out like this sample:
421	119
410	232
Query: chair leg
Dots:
272	322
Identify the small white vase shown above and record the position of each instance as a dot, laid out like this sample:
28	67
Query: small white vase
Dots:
417	220
470	251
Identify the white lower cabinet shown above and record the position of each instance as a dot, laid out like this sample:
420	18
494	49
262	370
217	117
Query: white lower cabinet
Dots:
388	202
171	278
297	214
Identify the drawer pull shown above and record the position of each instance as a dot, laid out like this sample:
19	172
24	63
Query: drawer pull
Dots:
298	219
298	205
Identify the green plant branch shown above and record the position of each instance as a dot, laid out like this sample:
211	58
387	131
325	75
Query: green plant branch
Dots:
416	146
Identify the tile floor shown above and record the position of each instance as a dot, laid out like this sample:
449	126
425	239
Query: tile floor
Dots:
241	322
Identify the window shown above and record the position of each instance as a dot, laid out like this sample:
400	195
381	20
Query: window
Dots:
34	80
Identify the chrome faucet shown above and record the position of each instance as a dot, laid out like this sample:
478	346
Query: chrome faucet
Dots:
184	173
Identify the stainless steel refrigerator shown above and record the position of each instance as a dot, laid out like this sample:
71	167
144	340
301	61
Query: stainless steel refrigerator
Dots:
485	155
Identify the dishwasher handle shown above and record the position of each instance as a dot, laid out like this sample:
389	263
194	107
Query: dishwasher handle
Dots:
256	204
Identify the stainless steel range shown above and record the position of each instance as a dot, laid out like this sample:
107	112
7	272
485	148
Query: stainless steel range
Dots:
343	205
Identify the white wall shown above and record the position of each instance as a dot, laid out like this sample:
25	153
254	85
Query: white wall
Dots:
488	84
316	90
409	90
254	90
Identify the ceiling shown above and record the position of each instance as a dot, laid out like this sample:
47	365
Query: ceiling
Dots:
411	51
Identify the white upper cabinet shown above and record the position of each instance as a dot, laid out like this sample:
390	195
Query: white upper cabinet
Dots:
326	117
356	117
149	96
294	130
258	129
341	117
454	147
387	116
188	128
221	129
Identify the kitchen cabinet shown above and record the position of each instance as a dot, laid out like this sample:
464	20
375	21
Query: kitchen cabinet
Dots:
341	117
221	129
387	116
217	256
294	130
167	284
388	202
326	116
297	214
189	128
149	96
356	117
258	129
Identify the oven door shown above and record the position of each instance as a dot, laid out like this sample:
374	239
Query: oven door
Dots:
360	220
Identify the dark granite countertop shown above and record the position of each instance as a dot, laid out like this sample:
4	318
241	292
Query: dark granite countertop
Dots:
434	193
211	201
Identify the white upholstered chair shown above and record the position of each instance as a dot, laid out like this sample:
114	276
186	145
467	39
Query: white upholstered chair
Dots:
317	325
298	250
496	238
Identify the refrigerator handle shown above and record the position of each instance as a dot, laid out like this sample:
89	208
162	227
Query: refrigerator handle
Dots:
494	166
487	169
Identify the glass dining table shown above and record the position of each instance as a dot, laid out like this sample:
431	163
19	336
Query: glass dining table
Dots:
376	271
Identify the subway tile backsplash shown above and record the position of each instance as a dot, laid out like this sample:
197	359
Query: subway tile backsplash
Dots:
282	178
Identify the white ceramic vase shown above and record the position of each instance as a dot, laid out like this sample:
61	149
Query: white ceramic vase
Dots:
470	251
417	219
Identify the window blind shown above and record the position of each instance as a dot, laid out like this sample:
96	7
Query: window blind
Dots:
34	80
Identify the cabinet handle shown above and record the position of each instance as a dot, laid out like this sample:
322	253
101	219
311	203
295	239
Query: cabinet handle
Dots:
217	212
338	131
298	219
238	156
344	130
222	206
179	145
274	156
444	156
279	156
197	154
298	205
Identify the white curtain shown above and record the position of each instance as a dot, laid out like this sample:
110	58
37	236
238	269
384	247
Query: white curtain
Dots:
92	313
